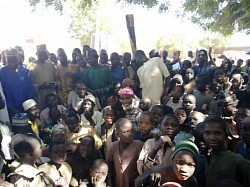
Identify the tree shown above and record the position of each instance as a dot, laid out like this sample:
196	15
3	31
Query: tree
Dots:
223	16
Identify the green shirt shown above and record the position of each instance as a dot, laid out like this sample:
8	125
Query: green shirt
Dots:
226	164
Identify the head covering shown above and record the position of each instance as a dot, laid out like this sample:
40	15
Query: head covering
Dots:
126	91
225	98
90	97
60	127
178	77
12	52
28	104
186	145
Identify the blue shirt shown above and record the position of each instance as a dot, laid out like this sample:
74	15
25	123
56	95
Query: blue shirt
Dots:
118	74
241	149
17	87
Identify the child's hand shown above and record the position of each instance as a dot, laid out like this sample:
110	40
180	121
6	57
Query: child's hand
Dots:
87	115
162	140
61	182
96	182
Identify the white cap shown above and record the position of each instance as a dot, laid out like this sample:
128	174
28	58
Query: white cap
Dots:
28	104
91	98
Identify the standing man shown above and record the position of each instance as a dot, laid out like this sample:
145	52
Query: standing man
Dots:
152	74
43	76
98	78
16	82
203	66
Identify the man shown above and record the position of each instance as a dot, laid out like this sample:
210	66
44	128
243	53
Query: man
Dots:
43	76
98	78
16	82
67	74
151	75
203	66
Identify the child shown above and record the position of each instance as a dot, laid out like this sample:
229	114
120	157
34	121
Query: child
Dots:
158	113
146	124
181	114
78	131
243	146
57	169
158	150
240	115
28	148
223	163
183	163
82	160
30	106
205	102
127	98
189	103
51	102
176	101
145	104
98	174
194	119
122	155
189	83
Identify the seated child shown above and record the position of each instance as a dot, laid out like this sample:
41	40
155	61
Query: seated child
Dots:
122	155
181	169
78	131
51	102
57	169
158	150
28	148
146	125
82	160
98	174
145	104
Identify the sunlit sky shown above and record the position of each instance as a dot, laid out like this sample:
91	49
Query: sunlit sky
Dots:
19	23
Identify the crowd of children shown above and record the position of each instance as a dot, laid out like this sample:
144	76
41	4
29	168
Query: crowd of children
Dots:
94	123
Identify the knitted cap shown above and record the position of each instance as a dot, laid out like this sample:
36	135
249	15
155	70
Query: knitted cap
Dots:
186	145
225	98
28	104
127	91
90	97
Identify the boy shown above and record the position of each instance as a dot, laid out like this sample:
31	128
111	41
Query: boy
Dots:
57	169
127	98
204	102
223	163
145	104
146	125
28	148
189	103
122	155
243	147
176	101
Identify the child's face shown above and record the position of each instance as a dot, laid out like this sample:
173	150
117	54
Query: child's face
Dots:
87	105
236	81
157	113
189	103
81	90
145	124
109	116
144	104
170	127
126	100
189	74
194	119
58	154
176	93
111	101
231	109
72	123
214	135
219	75
126	132
200	84
240	115
86	147
245	130
100	173
37	153
181	115
184	165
